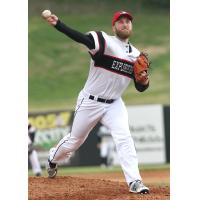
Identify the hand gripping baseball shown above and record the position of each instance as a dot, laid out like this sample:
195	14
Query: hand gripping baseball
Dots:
49	17
141	68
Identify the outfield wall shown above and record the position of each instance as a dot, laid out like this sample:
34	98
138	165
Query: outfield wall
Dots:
149	126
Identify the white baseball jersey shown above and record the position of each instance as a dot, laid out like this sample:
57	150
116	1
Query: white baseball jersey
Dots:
109	79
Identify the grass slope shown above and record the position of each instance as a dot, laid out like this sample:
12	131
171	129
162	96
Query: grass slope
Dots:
97	169
58	66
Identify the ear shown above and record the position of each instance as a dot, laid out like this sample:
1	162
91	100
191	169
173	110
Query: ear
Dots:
113	29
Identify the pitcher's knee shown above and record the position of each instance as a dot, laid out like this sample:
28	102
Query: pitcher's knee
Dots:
72	144
65	148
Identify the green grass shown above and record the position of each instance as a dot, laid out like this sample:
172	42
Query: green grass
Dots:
58	66
63	171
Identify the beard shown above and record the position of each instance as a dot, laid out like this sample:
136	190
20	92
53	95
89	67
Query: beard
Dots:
123	34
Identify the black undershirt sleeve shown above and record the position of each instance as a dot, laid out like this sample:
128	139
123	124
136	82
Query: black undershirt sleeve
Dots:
85	39
140	87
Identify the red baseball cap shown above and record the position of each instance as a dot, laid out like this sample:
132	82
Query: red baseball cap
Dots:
118	14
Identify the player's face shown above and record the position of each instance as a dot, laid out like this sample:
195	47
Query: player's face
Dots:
123	28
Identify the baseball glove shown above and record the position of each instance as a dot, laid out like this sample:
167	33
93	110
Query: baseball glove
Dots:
141	68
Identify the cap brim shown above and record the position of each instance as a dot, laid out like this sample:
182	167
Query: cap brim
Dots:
125	15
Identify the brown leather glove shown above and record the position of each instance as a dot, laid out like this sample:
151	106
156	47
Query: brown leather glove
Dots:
141	68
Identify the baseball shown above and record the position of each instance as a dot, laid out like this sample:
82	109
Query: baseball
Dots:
46	13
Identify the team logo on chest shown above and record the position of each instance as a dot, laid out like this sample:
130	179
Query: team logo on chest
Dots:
114	64
122	67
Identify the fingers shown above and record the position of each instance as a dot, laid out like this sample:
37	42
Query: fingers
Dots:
145	82
52	19
144	73
143	78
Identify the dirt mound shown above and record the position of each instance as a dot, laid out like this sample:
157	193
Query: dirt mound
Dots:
76	188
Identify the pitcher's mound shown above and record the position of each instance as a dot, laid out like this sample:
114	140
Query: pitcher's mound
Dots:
75	188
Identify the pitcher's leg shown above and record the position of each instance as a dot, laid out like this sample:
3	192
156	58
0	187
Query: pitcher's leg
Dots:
116	119
86	117
82	125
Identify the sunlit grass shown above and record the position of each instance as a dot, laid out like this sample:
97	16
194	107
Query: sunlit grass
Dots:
58	66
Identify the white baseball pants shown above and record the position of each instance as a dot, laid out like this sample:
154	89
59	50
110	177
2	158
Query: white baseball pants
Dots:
115	117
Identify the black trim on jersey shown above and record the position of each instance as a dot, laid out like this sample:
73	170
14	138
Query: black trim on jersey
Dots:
101	44
101	41
130	48
114	64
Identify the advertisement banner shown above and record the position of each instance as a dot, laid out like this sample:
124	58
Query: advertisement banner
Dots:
51	127
146	123
147	129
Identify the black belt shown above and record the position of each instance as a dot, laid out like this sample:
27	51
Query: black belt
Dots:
102	100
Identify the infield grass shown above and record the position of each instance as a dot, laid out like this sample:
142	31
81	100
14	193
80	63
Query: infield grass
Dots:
96	169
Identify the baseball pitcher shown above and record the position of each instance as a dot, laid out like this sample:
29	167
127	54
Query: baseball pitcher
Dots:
115	63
